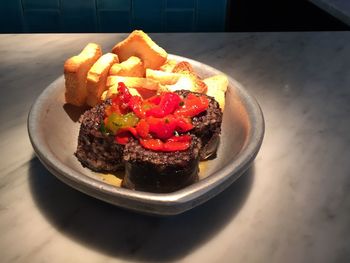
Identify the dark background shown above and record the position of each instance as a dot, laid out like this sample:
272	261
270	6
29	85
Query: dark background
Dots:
89	16
283	15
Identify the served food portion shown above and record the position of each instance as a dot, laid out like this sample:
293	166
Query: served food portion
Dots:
151	116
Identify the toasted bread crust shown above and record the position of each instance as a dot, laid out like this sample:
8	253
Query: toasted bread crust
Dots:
183	67
133	82
144	93
168	66
97	77
217	86
164	78
188	72
132	67
141	45
75	72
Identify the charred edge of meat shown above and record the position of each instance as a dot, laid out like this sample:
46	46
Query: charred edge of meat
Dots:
160	172
207	125
97	150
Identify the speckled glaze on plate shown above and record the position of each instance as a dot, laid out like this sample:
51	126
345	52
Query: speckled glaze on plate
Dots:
53	133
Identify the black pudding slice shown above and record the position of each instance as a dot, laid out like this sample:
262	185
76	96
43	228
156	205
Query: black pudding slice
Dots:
160	172
207	125
96	150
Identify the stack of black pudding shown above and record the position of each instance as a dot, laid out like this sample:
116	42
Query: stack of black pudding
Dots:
148	170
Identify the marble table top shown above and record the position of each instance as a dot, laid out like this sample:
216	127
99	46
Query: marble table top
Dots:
338	8
293	204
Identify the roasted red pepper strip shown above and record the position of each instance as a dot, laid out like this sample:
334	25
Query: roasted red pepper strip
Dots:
161	117
132	131
135	104
183	125
177	143
155	99
152	144
162	128
142	128
193	105
181	138
168	104
123	92
121	99
124	134
122	138
175	146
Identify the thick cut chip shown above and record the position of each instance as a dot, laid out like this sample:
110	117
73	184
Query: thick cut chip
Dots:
183	67
132	67
144	93
191	80
164	78
168	66
133	82
97	77
141	45
217	86
75	72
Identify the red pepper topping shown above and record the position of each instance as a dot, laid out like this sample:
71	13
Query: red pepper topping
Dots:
154	121
135	104
124	134
164	128
120	103
181	143
182	138
142	128
122	138
155	99
152	144
175	146
193	105
183	125
169	102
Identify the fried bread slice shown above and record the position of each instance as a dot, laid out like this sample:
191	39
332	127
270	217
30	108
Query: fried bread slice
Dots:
141	45
164	78
133	82
217	86
189	78
144	93
75	72
132	67
97	77
168	66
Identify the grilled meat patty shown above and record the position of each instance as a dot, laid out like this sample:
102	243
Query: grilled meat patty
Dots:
207	125
155	171
148	170
96	150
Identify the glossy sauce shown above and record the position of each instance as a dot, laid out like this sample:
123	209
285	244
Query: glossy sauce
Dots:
116	178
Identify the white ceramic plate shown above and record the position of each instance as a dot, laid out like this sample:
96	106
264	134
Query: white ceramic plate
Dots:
53	131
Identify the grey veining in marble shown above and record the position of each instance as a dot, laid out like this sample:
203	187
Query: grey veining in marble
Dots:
293	205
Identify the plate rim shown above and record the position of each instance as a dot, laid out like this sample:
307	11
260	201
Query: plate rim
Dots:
157	203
